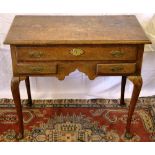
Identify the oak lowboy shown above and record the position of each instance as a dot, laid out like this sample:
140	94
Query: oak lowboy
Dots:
95	45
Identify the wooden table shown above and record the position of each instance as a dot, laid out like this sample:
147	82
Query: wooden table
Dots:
58	45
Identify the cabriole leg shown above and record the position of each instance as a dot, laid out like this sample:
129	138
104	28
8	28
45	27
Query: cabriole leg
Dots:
16	97
123	83
27	83
137	82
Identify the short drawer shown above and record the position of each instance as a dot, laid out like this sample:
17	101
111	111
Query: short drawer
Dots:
37	69
116	69
92	52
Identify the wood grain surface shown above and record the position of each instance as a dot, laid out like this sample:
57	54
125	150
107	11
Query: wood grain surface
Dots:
59	45
89	52
76	30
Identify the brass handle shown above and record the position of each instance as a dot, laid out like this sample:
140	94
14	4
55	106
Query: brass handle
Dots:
35	54
76	52
117	53
117	69
37	69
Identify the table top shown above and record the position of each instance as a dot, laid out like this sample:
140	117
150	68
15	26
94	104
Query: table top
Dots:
44	30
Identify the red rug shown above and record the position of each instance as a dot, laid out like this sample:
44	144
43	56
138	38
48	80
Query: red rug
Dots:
78	120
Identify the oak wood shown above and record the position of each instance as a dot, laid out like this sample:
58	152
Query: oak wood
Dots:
137	82
139	61
36	68
27	83
58	45
45	30
16	97
90	52
123	83
116	69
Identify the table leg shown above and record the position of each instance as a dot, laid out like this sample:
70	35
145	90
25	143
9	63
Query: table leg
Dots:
16	97
123	83
27	83
137	82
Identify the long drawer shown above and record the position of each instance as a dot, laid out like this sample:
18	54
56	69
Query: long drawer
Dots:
49	53
116	69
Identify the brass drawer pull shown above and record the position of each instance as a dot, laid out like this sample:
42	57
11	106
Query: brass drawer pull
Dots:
35	54
76	52
117	53
117	69
37	69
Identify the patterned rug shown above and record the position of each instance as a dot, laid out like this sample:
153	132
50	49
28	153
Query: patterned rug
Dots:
78	120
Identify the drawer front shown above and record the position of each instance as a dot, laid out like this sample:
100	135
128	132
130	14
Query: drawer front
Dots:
37	69
107	52
116	69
